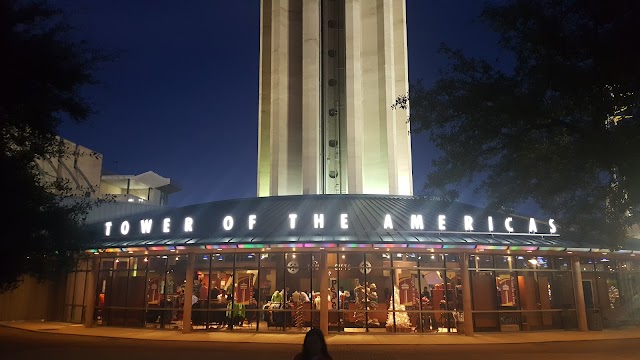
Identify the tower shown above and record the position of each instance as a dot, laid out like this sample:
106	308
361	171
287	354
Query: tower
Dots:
329	72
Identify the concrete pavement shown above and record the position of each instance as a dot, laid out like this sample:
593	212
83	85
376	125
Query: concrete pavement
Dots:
332	339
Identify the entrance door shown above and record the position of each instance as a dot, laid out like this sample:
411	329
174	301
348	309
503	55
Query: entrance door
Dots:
587	288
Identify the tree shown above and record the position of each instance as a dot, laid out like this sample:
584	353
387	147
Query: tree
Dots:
560	127
42	71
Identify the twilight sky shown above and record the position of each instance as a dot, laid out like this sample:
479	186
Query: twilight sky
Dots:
182	100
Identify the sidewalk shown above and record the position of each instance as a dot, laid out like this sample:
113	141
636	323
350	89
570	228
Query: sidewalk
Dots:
332	339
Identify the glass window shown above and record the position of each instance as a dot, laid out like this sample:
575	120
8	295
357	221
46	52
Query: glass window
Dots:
504	262
431	260
587	264
481	262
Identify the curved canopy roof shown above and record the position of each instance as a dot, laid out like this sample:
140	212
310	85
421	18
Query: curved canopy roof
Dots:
336	221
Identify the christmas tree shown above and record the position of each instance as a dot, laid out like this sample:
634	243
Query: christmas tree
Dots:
403	324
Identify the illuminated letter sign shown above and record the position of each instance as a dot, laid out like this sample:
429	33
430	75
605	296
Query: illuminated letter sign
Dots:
468	223
507	224
292	220
552	226
124	228
441	219
188	224
145	226
227	223
252	221
343	221
387	222
416	222
490	222
166	224
107	228
318	221
532	225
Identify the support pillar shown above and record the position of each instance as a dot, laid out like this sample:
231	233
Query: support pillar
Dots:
578	291
324	294
188	294
467	307
90	291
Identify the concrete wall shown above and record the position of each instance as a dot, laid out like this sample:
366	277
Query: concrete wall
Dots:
34	301
80	166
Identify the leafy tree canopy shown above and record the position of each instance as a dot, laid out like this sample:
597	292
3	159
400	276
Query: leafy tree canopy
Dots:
560	128
42	71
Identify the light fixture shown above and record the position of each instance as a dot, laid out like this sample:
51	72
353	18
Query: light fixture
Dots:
376	248
343	256
145	259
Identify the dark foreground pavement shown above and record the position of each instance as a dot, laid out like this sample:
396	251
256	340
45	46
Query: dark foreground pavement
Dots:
21	344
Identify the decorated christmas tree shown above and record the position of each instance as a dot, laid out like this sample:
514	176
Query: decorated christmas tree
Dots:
403	324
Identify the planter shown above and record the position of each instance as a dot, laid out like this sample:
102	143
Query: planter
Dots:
509	327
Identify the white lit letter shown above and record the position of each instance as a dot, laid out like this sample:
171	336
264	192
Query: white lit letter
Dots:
124	228
166	223
292	220
318	221
468	223
552	226
252	221
490	222
387	222
107	228
532	225
507	224
227	222
145	226
188	224
416	222
441	219
343	221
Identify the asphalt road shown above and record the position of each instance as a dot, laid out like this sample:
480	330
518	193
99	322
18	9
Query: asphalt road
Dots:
20	344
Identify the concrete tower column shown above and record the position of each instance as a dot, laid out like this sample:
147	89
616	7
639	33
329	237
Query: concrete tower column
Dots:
578	291
264	101
311	108
355	124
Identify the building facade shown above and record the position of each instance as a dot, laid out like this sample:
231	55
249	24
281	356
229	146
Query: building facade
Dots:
353	263
348	250
329	72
